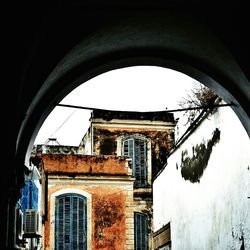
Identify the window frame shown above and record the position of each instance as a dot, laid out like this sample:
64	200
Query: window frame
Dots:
53	213
137	147
138	245
73	216
148	164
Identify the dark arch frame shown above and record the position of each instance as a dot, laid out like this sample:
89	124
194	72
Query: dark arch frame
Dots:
204	40
177	42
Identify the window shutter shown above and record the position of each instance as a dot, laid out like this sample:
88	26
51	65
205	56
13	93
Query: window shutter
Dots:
141	231
70	226
128	148
25	198
136	149
34	195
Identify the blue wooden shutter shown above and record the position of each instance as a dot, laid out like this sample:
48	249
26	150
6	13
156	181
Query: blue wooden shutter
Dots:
25	198
137	150
140	162
128	148
34	195
70	222
141	231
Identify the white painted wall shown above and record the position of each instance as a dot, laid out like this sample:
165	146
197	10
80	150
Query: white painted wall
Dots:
214	213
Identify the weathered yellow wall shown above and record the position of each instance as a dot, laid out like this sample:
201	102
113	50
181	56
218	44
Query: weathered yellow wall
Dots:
162	141
85	164
110	200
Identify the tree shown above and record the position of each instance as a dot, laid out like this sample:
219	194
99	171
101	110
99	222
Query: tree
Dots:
198	99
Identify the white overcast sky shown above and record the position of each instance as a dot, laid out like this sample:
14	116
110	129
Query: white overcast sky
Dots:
139	88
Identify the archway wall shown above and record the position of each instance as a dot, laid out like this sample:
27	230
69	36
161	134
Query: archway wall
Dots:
173	40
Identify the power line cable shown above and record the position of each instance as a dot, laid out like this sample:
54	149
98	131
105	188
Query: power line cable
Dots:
67	118
169	111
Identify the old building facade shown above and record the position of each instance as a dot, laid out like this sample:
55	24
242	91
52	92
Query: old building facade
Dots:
99	195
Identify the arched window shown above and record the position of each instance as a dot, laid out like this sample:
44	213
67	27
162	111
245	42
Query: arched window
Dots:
136	148
71	222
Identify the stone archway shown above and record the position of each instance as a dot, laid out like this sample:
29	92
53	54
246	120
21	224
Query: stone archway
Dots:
176	42
149	36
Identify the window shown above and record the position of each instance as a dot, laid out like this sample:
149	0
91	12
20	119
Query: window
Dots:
136	149
70	222
141	231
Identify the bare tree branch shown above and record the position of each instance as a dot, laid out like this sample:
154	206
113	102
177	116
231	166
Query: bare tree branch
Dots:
199	96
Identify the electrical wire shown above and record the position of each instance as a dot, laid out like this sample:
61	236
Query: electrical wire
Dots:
67	118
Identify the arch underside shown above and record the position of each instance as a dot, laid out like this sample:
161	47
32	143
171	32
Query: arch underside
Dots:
177	42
